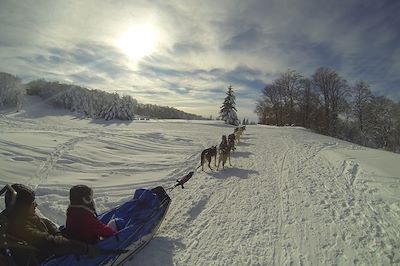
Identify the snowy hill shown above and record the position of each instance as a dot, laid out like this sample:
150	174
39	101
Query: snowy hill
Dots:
291	196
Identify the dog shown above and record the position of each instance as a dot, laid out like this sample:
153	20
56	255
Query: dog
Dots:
238	133
231	141
224	143
224	155
237	136
207	154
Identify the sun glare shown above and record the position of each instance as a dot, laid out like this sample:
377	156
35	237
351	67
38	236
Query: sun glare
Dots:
138	42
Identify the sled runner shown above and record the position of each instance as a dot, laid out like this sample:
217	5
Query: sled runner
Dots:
137	221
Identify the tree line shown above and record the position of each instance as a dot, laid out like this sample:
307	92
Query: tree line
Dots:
328	104
92	103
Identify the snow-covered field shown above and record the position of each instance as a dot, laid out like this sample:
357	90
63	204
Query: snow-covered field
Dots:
292	197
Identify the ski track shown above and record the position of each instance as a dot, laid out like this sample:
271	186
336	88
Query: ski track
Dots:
282	202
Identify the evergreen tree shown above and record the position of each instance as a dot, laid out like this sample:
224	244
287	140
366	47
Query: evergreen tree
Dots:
228	109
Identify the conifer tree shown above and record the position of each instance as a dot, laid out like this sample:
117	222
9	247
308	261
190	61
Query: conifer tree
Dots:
228	108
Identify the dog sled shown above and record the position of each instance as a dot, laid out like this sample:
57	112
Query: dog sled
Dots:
137	219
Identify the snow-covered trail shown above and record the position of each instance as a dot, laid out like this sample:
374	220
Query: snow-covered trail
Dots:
291	197
284	202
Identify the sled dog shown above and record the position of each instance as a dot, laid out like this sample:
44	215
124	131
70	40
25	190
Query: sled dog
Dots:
231	141
238	133
223	144
207	154
224	155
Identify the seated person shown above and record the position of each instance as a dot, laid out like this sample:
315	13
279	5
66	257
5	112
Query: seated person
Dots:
39	233
82	223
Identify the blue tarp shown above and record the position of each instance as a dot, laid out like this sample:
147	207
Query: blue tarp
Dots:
141	215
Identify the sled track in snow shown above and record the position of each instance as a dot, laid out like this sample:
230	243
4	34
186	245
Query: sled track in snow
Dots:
277	250
44	169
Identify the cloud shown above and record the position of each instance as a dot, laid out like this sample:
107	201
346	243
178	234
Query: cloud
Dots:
184	48
203	46
245	40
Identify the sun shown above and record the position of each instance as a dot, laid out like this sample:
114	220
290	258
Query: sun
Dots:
138	41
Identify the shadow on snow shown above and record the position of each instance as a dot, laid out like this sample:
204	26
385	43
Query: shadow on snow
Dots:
233	171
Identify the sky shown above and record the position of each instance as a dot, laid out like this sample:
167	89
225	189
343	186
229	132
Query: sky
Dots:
185	54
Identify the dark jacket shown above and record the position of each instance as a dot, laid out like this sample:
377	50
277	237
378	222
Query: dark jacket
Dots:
44	236
82	224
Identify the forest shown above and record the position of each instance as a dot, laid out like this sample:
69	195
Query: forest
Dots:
92	103
328	104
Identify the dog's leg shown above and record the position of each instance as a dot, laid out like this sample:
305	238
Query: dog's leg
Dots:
209	162
229	158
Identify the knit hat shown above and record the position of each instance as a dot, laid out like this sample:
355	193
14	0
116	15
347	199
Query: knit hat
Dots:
25	196
81	195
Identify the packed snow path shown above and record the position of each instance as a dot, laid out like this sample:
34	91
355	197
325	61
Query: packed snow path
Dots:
291	197
282	203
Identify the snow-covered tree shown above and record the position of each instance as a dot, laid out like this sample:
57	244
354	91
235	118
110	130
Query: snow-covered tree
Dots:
127	107
11	91
113	109
228	109
100	104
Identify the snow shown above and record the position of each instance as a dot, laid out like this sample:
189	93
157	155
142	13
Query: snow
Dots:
290	196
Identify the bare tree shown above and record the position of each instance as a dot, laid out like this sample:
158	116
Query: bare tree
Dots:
333	90
361	102
290	85
273	103
308	105
318	101
261	111
382	122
